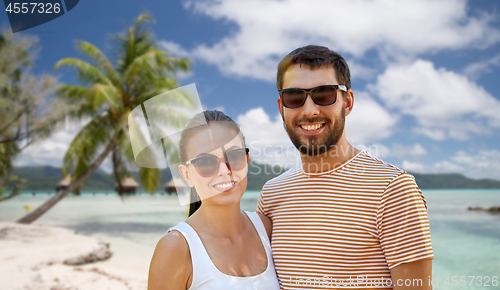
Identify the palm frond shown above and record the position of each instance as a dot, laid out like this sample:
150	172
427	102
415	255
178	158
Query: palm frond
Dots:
86	144
100	60
106	94
87	73
150	178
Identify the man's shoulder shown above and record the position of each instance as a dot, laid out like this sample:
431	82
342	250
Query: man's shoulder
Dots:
371	165
395	176
283	178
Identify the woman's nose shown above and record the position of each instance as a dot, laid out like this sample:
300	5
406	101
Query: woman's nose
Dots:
224	168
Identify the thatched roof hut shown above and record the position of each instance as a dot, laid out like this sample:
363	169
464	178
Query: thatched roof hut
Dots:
129	185
64	183
170	186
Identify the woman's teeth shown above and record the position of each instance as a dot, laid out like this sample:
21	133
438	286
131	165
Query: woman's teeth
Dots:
311	127
225	185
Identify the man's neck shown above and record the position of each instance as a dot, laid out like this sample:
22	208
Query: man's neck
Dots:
333	158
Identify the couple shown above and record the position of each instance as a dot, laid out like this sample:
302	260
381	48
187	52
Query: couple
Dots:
340	219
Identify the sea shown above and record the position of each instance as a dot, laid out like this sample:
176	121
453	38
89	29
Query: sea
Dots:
466	243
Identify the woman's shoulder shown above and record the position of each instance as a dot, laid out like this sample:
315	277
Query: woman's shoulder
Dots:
171	261
173	241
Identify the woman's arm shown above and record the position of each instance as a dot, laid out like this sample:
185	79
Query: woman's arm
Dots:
268	224
171	267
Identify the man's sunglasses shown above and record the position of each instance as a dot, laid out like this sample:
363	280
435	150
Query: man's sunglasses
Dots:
208	165
322	96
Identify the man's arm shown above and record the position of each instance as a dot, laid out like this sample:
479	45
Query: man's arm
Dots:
413	275
404	234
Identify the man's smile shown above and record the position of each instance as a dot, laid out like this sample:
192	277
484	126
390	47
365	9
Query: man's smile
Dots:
311	128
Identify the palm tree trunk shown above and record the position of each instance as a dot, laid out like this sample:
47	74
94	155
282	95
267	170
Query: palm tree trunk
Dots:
119	186
34	215
15	192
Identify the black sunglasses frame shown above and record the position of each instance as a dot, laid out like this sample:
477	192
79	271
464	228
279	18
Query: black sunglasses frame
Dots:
310	92
194	160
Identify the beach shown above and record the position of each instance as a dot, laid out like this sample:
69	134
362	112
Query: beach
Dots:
33	255
43	257
465	243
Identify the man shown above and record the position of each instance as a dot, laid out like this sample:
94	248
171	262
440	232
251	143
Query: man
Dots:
342	218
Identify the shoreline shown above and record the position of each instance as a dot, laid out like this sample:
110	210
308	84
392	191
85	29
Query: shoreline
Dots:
47	257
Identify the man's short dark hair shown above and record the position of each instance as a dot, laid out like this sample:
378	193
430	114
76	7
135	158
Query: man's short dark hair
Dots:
315	57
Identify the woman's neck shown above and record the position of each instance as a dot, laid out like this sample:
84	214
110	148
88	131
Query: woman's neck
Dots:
219	220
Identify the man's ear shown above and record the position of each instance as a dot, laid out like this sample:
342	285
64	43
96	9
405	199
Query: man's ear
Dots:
349	102
185	175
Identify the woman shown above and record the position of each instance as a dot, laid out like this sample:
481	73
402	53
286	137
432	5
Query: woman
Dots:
219	246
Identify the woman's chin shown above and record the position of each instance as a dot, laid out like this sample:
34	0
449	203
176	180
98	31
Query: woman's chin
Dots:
222	194
226	197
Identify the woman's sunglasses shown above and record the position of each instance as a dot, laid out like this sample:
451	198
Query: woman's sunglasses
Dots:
208	165
322	96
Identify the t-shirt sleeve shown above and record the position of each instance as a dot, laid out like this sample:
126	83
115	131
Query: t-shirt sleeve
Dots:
402	222
261	207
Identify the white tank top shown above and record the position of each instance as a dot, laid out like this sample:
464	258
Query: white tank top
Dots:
207	277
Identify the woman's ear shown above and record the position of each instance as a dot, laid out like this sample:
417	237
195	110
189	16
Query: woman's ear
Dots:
185	175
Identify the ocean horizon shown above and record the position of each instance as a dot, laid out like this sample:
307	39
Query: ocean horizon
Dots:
465	243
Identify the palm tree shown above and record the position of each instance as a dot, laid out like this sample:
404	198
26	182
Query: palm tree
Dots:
108	94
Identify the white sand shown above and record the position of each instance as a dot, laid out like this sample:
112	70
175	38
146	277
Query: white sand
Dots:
32	258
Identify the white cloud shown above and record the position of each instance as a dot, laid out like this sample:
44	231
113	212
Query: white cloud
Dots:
394	150
267	30
369	121
413	166
483	164
51	151
477	69
378	150
446	166
174	48
267	139
444	103
360	71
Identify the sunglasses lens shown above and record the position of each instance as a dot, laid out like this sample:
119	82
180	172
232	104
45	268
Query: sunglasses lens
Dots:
237	159
293	98
324	95
207	165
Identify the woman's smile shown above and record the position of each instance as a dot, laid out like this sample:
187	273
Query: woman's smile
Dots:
225	185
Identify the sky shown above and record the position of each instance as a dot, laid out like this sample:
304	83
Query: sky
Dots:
425	74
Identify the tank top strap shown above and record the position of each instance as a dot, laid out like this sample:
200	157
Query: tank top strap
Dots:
261	230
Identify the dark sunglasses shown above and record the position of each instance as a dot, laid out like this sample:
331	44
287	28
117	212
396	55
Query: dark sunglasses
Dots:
208	165
322	96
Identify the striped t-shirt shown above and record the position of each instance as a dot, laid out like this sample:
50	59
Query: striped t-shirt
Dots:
345	228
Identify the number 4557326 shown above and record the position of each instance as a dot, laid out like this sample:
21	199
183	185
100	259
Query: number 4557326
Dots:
484	281
33	8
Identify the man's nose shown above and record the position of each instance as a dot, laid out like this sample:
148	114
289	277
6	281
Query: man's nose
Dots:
310	108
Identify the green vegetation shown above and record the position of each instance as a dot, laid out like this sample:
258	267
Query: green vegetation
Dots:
28	114
109	90
453	181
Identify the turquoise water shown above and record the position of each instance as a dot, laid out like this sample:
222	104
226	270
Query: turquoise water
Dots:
465	243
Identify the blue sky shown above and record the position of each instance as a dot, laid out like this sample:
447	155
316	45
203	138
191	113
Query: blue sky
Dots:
425	74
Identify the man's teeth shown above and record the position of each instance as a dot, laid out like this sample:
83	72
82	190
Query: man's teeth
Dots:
225	185
311	127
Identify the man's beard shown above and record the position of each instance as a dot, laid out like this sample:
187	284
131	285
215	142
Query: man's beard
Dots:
312	146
